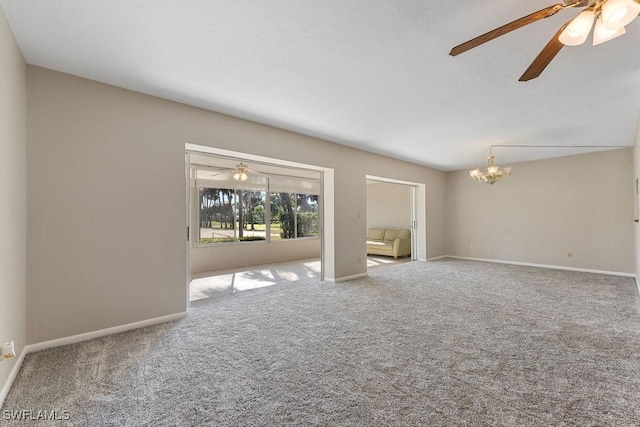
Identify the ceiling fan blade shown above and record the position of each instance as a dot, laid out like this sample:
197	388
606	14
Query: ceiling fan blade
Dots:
220	173
545	57
529	19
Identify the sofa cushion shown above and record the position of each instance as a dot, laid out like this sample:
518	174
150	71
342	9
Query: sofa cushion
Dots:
375	234
395	234
380	244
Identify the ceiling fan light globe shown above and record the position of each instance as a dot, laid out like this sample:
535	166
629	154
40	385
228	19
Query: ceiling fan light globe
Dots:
236	176
578	30
602	34
569	40
618	13
243	176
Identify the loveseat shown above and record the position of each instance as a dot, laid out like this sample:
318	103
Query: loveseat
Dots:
388	241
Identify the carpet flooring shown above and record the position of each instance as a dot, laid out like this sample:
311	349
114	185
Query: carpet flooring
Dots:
443	343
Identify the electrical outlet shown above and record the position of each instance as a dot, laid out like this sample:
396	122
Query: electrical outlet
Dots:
472	247
570	254
8	351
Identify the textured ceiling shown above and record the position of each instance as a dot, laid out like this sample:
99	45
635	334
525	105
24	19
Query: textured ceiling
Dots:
371	74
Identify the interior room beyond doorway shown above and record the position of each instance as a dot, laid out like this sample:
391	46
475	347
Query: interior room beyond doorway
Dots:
390	223
254	225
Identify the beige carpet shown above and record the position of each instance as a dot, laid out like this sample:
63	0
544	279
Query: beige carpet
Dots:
443	343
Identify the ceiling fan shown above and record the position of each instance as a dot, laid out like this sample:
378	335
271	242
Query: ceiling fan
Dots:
240	172
612	16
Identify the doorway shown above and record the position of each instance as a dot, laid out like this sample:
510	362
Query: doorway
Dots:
393	234
274	213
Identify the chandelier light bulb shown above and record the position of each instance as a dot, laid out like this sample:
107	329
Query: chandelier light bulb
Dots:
578	30
618	13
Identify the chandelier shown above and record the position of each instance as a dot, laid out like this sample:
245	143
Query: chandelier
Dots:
492	174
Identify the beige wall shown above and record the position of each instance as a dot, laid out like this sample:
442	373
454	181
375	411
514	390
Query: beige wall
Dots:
13	199
549	207
388	205
106	193
219	257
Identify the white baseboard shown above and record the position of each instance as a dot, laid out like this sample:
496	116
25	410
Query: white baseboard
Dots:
12	375
102	332
347	278
638	284
553	267
435	258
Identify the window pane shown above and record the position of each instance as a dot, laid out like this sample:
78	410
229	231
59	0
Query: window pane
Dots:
217	216
251	215
282	216
307	215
